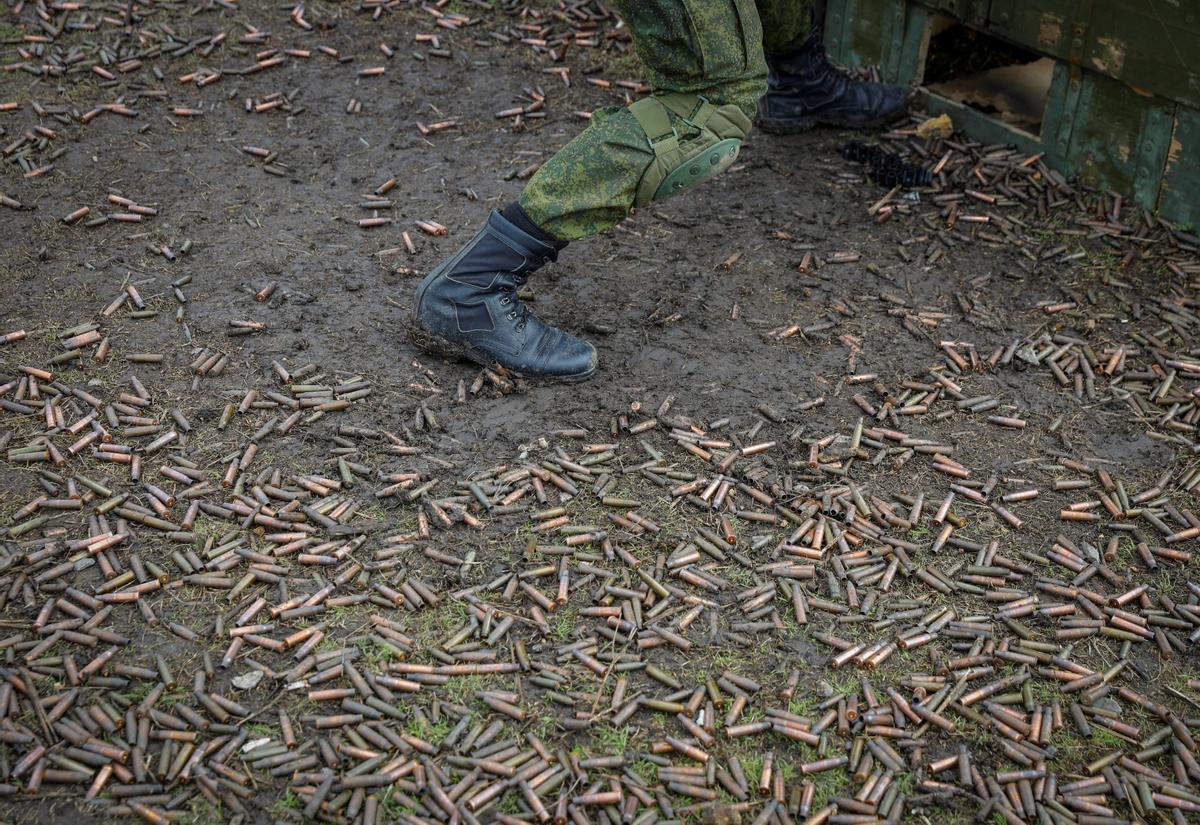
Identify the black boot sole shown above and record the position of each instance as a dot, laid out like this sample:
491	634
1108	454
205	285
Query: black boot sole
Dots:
426	340
796	126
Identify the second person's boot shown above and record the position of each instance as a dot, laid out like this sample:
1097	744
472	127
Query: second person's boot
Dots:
804	90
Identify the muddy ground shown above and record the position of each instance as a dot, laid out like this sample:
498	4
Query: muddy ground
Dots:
681	300
340	304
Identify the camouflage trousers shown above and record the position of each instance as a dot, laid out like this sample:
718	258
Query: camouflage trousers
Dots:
713	48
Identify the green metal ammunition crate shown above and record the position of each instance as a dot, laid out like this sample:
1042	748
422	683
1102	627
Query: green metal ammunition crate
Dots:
1123	105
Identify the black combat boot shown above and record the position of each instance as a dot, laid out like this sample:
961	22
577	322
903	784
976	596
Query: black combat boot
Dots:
804	90
468	306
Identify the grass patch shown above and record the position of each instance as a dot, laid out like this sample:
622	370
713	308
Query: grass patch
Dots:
827	784
1043	691
375	655
442	622
564	624
613	740
739	575
393	807
1069	747
805	705
258	730
372	510
139	691
844	684
202	812
509	803
288	802
462	689
752	766
1105	739
645	770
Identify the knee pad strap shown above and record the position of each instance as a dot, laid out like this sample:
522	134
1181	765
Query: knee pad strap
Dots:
711	138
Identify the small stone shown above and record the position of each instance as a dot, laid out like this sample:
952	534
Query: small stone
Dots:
248	680
1028	355
937	127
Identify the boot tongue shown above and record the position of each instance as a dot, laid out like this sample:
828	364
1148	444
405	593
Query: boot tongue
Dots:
499	258
490	262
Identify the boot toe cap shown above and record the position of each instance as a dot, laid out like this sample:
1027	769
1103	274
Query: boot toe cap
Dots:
577	360
564	356
892	99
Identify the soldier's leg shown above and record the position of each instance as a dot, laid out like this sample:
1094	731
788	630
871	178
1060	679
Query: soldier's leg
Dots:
704	62
786	24
710	48
804	89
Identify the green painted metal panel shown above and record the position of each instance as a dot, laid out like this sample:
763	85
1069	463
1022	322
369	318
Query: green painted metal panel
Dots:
908	67
889	65
858	32
1180	194
1120	139
1152	45
977	124
974	12
1062	101
1048	26
887	33
834	32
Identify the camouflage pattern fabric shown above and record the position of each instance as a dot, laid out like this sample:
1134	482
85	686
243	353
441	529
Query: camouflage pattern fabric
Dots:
713	48
787	23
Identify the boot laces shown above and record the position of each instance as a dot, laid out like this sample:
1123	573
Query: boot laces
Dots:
508	297
823	71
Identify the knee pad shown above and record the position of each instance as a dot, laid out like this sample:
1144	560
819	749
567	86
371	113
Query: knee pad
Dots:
691	139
